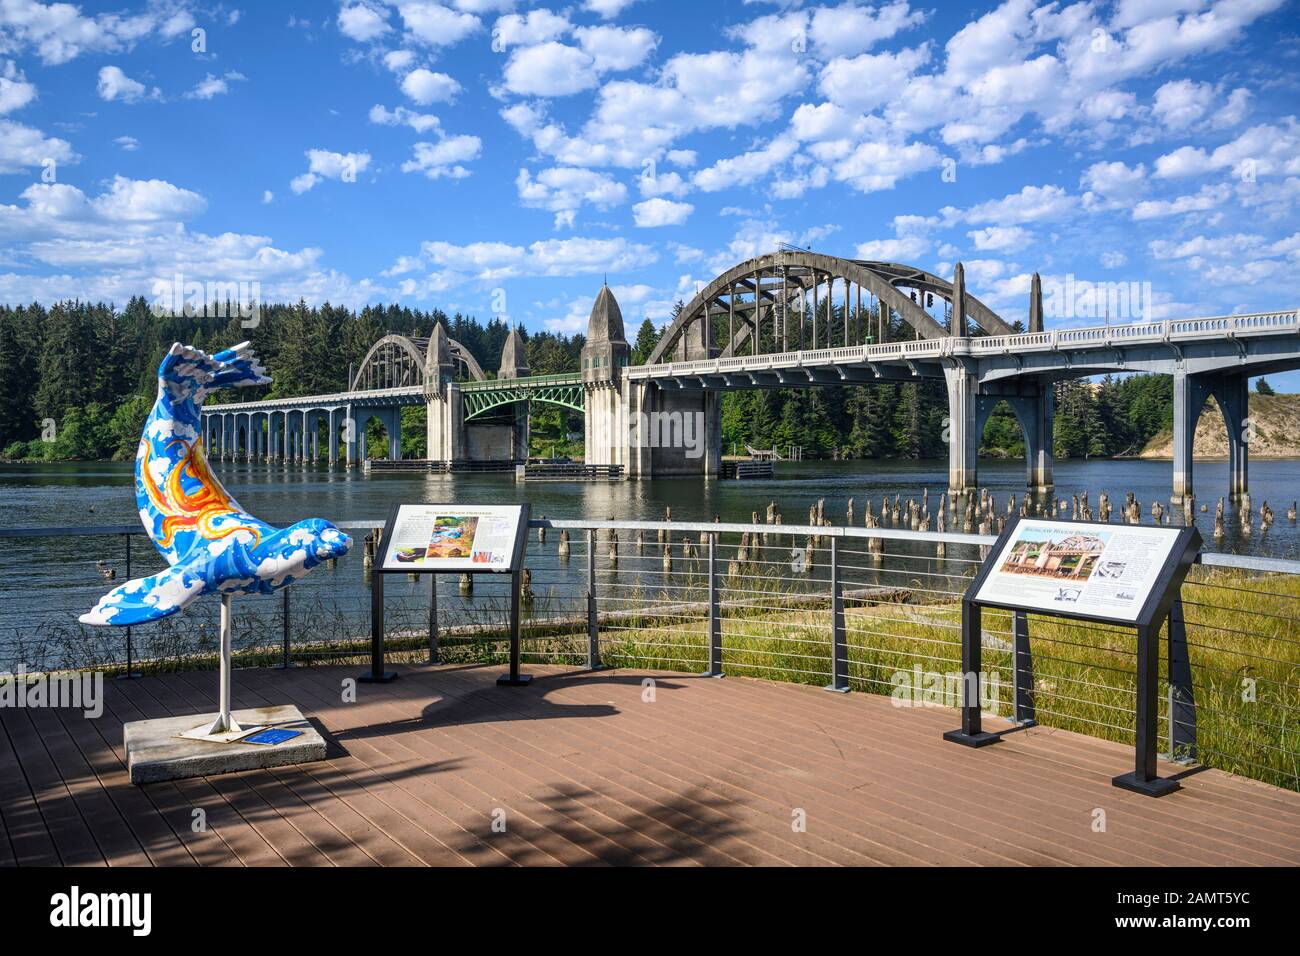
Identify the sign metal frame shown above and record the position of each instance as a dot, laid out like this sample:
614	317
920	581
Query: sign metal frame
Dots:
377	673
1156	609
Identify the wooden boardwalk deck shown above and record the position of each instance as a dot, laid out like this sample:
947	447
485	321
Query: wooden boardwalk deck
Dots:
584	771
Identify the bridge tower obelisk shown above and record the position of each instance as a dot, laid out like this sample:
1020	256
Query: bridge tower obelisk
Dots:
445	427
604	356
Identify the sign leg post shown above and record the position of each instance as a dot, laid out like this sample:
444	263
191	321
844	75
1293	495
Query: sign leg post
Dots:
1143	779
972	733
434	659
1022	661
514	678
377	673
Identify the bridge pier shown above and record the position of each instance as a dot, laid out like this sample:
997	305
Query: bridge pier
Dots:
655	432
350	437
445	424
332	450
273	436
1034	412
1231	393
964	428
969	408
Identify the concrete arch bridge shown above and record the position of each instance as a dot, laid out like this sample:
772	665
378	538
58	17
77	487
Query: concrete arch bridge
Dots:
791	318
464	407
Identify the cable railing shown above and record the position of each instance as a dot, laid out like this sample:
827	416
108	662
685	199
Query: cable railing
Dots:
854	609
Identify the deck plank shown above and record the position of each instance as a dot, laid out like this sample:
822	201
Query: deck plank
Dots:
73	839
712	772
29	837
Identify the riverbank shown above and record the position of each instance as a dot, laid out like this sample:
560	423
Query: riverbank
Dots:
1274	424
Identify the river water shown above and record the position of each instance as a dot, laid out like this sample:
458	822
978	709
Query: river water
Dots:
51	580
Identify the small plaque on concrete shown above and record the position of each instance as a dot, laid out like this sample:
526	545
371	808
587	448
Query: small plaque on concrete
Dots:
155	751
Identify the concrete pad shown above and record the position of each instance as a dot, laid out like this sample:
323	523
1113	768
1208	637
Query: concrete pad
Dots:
155	752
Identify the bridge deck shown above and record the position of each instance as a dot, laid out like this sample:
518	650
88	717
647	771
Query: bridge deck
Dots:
589	773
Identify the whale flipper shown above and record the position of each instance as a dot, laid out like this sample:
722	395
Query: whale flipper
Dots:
148	599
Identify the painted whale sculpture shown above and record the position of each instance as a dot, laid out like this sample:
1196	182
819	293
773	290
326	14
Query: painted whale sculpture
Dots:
212	545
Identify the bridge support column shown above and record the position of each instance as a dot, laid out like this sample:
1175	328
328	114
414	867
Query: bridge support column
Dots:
1190	393
655	432
1038	451
273	437
350	437
1035	410
333	441
521	431
313	431
393	425
1231	393
633	405
445	427
963	430
604	442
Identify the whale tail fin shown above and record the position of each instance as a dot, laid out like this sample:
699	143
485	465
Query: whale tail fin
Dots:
147	599
187	372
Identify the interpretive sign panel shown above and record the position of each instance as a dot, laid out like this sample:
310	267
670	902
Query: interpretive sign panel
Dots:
1128	575
434	538
1089	570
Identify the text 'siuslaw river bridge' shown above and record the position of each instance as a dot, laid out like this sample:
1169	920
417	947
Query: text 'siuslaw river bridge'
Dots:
788	319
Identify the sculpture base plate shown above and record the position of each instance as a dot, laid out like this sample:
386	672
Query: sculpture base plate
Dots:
156	751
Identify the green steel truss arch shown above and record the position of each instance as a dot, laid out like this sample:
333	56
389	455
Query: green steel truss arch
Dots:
479	398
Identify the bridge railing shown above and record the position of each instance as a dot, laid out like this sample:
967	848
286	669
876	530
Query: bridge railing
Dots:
873	610
1262	323
564	378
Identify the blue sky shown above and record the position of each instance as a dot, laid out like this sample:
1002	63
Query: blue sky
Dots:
481	154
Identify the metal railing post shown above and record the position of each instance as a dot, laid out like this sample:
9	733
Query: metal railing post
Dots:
1023	662
129	649
593	623
715	612
839	644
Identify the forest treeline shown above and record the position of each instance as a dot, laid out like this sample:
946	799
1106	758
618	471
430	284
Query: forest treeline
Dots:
77	380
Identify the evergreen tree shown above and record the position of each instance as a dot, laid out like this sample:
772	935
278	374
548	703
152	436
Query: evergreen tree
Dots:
647	337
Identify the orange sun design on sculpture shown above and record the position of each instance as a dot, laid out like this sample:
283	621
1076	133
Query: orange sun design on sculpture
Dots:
198	510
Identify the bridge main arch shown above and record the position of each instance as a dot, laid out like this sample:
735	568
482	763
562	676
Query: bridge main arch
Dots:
402	361
770	293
